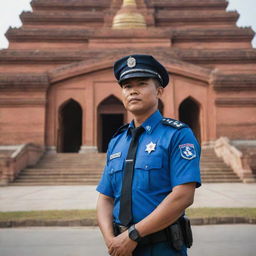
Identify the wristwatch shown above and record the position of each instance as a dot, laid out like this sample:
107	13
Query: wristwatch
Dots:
134	234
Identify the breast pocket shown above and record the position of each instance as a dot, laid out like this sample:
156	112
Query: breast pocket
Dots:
149	171
116	174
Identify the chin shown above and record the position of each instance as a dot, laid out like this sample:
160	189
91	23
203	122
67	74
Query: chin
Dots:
137	111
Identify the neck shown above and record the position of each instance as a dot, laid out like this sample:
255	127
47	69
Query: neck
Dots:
140	119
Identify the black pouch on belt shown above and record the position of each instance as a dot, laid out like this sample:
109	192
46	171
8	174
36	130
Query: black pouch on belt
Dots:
175	237
186	231
116	229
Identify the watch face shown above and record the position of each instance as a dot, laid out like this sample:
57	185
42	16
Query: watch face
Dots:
133	234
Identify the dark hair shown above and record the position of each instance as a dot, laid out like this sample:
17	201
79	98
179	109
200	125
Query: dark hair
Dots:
156	82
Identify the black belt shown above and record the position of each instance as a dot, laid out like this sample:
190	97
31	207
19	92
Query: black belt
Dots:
156	237
177	235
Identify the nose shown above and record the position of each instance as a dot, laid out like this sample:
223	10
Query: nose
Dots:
133	91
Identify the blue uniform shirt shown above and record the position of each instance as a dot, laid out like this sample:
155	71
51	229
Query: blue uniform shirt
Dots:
168	155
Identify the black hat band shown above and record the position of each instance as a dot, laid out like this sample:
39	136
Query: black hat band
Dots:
143	71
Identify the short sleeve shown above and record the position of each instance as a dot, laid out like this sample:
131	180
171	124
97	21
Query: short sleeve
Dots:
185	158
105	185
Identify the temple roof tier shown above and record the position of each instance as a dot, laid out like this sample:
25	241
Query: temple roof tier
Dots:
21	82
191	16
190	55
66	17
234	82
188	4
70	5
40	34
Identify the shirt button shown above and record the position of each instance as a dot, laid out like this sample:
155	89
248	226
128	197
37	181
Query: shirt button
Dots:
146	166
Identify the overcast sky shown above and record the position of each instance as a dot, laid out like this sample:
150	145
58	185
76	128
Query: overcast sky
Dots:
11	9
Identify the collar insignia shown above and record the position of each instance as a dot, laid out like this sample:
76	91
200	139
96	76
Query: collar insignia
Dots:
148	128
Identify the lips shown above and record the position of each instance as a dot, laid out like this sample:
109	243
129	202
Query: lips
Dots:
134	100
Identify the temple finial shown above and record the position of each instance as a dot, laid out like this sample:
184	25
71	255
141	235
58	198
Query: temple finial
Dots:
129	16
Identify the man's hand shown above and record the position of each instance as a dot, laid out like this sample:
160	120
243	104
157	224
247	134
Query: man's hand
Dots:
121	245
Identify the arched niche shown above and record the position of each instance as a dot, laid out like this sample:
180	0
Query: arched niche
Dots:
70	127
189	113
111	114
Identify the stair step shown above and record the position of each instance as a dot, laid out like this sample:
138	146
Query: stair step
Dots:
39	177
86	169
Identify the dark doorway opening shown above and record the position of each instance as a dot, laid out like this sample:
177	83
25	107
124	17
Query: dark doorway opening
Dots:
189	113
111	116
70	123
110	124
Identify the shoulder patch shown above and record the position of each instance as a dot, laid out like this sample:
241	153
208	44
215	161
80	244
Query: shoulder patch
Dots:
173	123
120	130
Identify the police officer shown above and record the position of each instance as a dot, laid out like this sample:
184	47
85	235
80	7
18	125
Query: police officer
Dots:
148	181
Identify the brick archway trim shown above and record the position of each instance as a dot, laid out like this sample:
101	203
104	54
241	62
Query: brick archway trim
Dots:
174	66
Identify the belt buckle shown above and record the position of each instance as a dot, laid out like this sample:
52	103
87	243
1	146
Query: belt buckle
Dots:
122	228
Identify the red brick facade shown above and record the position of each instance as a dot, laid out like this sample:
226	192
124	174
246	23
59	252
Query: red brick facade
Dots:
57	87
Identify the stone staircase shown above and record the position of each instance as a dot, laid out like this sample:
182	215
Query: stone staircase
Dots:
86	169
64	169
214	170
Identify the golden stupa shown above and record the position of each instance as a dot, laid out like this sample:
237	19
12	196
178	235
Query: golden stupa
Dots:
128	16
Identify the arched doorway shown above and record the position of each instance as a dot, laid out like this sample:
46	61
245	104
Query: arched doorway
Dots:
70	127
111	115
189	113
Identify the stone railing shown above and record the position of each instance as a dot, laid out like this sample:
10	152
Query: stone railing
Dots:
23	156
239	162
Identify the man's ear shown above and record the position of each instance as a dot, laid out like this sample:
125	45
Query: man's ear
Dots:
160	91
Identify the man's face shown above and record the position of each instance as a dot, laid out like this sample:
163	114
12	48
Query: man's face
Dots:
140	95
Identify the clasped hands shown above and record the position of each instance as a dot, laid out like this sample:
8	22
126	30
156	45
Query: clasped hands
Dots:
121	245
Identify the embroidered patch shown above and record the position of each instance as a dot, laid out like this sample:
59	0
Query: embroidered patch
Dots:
150	147
187	151
116	155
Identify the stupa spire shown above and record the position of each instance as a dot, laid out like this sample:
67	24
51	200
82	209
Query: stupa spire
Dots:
129	16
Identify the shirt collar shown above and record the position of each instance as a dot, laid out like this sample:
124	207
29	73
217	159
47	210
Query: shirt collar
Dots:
149	124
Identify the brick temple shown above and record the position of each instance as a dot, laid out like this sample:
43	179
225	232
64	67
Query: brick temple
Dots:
58	93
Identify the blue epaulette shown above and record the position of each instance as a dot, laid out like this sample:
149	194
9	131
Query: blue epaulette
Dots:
173	123
121	129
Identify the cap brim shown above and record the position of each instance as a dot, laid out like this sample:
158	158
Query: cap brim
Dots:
135	75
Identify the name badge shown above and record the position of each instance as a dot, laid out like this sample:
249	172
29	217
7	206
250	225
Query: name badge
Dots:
116	155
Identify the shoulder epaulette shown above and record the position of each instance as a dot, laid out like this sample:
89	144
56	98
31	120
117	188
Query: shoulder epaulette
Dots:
173	123
121	129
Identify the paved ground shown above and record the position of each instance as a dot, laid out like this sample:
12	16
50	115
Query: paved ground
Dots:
219	240
85	197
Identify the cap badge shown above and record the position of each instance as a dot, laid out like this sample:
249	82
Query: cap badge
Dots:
131	62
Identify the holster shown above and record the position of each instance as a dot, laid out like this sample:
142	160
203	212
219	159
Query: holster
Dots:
175	236
186	231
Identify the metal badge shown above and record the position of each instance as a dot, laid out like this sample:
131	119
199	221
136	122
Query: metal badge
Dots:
131	62
150	147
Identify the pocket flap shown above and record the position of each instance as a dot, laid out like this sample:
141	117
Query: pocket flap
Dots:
116	165
148	163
